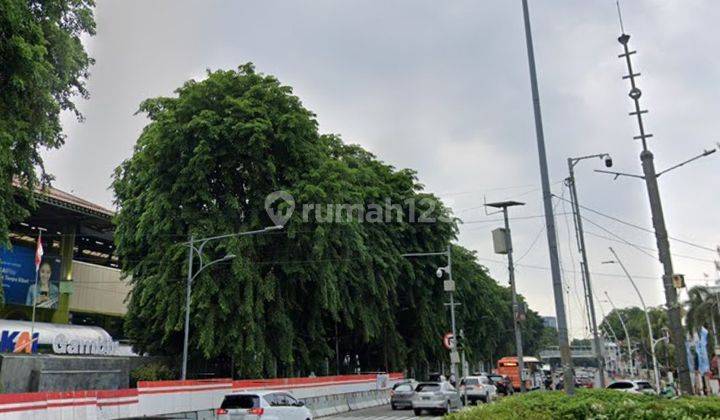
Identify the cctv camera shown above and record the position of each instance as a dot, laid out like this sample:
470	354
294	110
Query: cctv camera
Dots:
608	161
439	272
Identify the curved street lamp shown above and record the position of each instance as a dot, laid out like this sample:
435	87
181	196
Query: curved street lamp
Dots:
193	249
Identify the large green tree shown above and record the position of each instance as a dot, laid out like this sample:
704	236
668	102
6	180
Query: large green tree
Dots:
205	164
43	67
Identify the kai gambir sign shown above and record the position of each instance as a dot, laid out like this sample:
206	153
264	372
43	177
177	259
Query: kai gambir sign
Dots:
63	345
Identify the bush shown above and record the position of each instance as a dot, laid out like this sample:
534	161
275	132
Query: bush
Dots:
593	404
151	372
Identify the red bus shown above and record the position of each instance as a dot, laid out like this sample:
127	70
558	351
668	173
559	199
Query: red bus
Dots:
533	371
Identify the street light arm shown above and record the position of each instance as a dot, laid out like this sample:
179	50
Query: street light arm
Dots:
619	174
575	160
701	155
204	266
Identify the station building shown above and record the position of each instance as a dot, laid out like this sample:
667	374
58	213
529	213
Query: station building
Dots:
79	280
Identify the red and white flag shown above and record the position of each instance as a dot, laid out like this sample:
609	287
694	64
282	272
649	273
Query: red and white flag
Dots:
38	252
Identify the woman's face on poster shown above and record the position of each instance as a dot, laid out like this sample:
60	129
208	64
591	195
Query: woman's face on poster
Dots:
45	272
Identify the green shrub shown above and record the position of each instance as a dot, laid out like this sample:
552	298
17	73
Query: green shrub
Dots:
154	371
593	404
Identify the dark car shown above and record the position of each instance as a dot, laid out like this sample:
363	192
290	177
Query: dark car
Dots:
402	394
502	383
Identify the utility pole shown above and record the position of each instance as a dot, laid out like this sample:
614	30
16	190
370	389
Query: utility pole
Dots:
563	342
627	334
650	176
647	318
448	286
503	245
580	235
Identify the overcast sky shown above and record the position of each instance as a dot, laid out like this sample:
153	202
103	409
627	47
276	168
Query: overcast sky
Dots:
442	87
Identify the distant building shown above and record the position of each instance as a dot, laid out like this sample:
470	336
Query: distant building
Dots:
550	321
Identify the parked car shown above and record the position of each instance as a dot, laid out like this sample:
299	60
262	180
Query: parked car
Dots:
502	383
633	387
265	405
402	394
436	397
477	388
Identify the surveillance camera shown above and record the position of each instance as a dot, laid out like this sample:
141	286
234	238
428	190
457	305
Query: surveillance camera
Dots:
439	272
608	161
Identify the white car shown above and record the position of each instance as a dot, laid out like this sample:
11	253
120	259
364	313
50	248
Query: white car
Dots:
265	405
633	387
477	388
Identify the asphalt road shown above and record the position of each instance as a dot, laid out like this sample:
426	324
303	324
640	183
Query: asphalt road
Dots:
383	412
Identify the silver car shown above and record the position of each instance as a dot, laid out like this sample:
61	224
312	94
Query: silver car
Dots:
436	397
401	395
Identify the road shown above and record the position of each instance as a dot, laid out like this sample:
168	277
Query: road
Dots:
383	412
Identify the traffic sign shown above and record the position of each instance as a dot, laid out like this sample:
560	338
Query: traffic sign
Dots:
449	341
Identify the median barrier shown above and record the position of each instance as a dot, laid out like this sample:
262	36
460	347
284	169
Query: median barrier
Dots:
324	395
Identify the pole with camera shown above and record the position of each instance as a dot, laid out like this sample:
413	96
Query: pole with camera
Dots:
585	272
448	286
503	245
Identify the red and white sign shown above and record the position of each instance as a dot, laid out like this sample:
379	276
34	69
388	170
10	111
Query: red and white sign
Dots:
449	341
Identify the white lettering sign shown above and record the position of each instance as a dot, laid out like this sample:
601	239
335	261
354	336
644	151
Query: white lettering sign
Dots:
61	345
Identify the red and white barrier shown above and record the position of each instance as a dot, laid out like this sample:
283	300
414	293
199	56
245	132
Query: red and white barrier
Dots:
168	397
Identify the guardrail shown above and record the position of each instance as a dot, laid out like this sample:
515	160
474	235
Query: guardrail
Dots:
322	394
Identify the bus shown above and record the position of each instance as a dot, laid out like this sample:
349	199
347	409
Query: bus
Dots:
508	366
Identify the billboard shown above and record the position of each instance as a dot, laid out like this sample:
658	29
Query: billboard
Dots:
17	268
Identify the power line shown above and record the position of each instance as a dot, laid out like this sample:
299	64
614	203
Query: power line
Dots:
644	229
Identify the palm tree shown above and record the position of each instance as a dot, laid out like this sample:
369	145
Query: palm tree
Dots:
701	308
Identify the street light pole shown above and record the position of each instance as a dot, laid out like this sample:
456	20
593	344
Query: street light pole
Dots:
448	286
627	335
192	249
580	234
647	318
563	342
506	247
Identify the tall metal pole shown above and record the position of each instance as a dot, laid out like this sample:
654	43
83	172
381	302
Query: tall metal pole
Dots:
585	269
661	235
627	334
647	318
518	333
565	356
187	308
454	353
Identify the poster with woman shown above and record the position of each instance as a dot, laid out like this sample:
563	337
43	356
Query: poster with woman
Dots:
17	268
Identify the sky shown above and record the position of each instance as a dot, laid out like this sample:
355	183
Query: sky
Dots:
443	88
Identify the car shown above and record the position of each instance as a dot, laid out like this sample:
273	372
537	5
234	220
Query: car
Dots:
436	397
265	405
401	394
477	388
502	383
633	387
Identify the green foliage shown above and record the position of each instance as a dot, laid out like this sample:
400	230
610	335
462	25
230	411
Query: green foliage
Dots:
593	404
44	66
155	371
204	165
636	324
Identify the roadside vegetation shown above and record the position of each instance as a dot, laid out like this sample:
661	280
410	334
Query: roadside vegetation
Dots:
593	404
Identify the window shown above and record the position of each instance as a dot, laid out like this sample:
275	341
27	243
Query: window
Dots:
272	399
403	388
620	385
470	381
428	388
644	385
240	401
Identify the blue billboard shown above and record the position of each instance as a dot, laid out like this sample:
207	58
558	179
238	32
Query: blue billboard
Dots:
17	268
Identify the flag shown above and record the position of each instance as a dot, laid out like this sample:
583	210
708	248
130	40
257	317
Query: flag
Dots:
38	252
701	350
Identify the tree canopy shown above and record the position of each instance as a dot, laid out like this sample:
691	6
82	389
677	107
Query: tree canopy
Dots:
204	166
44	67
